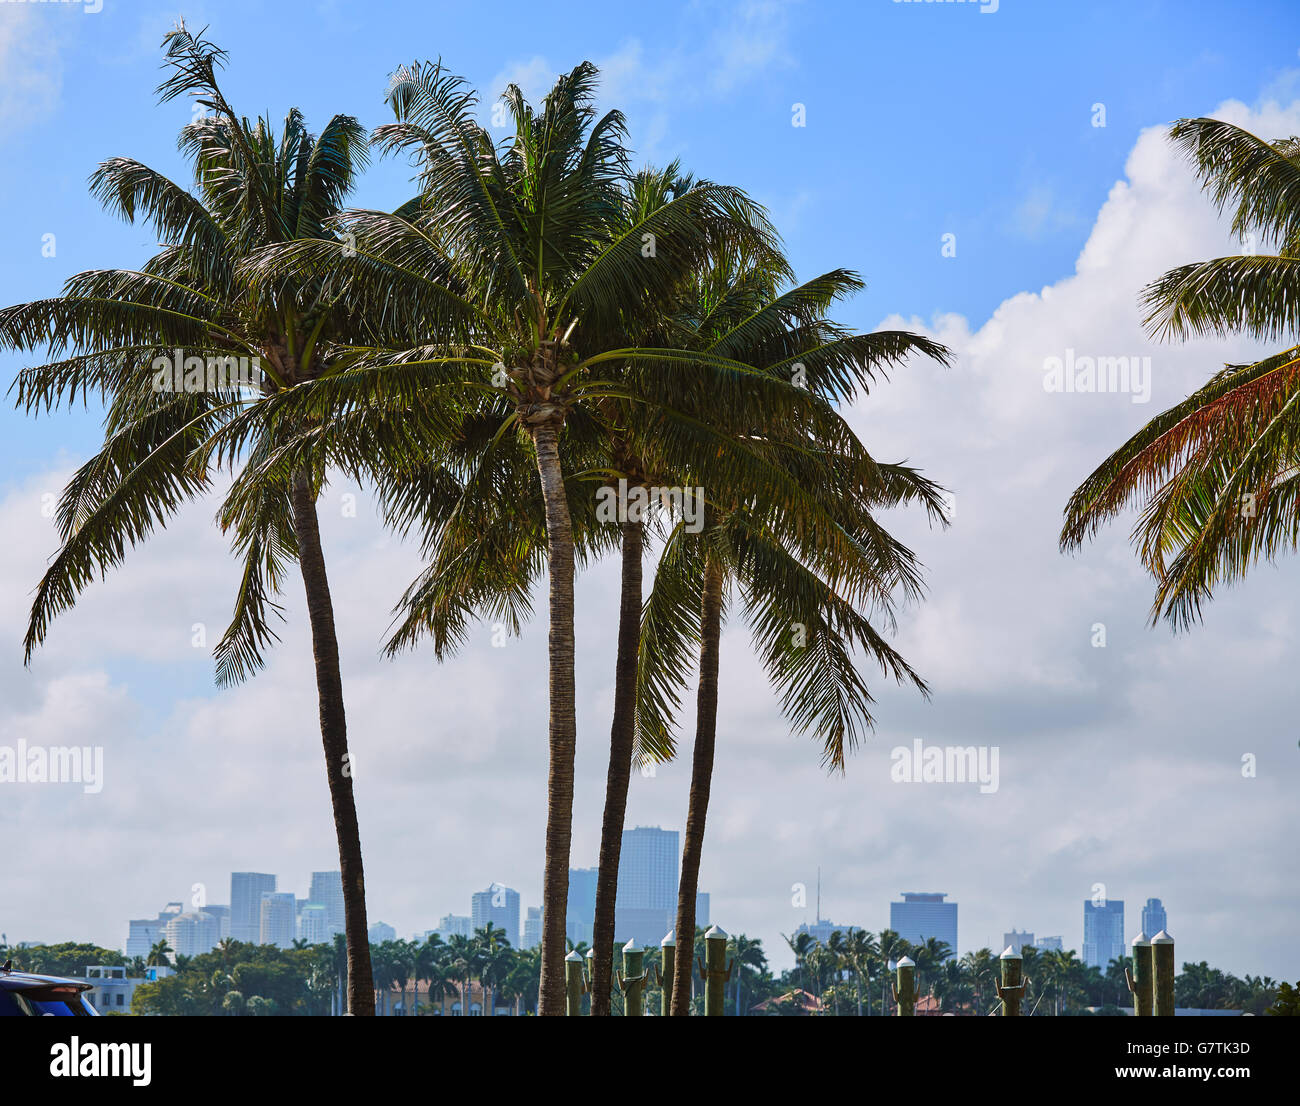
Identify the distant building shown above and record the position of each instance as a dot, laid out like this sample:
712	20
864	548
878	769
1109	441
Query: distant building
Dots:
142	934
277	920
580	914
1050	944
646	904
701	909
380	932
327	890
922	915
452	925
499	905
222	914
313	924
246	891
1103	932
532	928
193	933
1154	918
821	930
1017	939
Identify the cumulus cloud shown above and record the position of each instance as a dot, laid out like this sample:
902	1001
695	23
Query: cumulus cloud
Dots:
1118	765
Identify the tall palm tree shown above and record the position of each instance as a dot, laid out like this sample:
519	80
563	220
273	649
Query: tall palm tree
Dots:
1216	475
807	565
861	951
512	277
159	953
201	295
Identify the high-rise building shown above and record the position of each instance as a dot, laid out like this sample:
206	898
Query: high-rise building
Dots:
246	891
922	915
313	924
222	914
1016	940
1154	918
646	905
1050	944
580	917
821	930
701	909
327	890
453	925
143	933
500	906
533	928
379	932
278	917
1103	932
193	933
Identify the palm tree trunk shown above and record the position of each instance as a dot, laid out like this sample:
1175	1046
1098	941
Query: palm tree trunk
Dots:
334	738
562	736
706	726
622	736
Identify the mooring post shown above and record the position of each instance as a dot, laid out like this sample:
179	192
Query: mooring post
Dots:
1139	980
1162	958
716	972
1012	988
664	972
631	981
573	984
905	988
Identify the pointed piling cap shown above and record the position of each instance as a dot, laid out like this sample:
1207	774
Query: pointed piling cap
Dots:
1162	938
670	939
591	954
1141	940
573	958
716	933
631	946
1009	953
907	962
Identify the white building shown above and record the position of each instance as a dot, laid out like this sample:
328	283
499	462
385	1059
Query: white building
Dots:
193	933
278	919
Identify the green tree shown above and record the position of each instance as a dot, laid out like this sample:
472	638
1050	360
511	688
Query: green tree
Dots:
1214	475
202	294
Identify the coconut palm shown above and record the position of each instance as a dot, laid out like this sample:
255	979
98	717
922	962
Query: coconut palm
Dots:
512	278
860	952
810	569
1216	475
159	953
166	445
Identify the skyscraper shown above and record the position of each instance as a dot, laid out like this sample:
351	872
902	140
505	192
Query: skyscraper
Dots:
327	890
1103	932
246	890
533	928
580	916
500	906
453	925
313	924
922	915
193	933
277	919
1154	918
1017	939
646	905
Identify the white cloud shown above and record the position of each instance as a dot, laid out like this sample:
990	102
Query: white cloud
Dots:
1119	765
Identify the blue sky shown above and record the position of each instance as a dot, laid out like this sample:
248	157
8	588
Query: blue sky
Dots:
922	120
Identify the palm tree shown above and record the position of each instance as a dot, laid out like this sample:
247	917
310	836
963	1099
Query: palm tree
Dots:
803	547
861	951
203	294
1215	474
512	276
747	956
981	969
159	953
